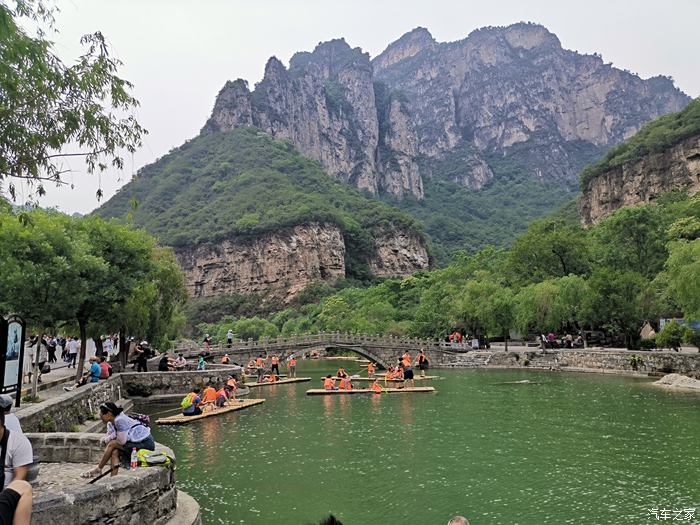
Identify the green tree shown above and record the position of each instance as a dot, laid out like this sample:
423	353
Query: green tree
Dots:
683	271
549	248
537	309
152	309
500	312
633	239
47	105
621	301
254	328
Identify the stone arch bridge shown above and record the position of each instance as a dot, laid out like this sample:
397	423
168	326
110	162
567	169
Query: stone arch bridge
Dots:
384	350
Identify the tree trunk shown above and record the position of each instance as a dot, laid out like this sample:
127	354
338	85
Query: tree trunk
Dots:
505	340
83	348
35	366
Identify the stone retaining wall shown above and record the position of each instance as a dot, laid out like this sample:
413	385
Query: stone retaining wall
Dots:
66	410
603	361
146	495
143	384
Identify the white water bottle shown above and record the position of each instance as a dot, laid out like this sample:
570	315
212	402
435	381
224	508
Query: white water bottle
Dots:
134	458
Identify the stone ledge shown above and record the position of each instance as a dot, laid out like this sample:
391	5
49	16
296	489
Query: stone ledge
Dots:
145	495
187	511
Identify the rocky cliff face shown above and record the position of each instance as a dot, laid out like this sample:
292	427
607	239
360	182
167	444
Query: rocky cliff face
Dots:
510	91
281	264
640	181
513	90
325	105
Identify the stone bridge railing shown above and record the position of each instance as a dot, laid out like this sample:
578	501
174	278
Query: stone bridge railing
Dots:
326	339
382	349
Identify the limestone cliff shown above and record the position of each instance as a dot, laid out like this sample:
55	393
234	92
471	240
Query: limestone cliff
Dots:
641	180
505	91
515	91
325	105
280	264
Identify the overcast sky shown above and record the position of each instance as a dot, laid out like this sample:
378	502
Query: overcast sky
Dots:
178	53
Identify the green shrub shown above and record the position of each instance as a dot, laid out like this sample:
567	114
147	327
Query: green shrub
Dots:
647	344
47	424
671	336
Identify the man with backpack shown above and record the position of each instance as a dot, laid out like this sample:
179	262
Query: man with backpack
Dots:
191	403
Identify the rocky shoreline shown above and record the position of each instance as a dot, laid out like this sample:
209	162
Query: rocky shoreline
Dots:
679	381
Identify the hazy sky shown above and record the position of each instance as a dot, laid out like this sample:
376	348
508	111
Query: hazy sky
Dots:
179	53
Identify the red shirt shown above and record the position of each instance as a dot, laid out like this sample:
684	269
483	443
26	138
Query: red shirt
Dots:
105	370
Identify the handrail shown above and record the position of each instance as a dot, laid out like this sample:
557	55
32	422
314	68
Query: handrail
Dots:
323	338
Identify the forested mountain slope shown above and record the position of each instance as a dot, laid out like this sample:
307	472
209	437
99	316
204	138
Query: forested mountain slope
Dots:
248	214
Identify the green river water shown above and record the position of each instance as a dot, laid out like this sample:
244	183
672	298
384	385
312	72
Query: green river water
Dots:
576	448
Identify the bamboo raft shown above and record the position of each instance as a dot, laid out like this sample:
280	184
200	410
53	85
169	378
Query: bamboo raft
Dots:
280	382
179	419
323	392
380	379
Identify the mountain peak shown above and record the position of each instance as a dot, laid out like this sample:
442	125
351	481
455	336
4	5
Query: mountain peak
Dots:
409	45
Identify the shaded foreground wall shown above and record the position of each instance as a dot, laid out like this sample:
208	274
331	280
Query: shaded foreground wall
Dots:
146	495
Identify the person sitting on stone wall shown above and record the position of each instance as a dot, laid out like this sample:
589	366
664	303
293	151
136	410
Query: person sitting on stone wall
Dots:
91	376
123	435
180	363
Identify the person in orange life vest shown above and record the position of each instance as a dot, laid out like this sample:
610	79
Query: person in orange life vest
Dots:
329	383
389	374
225	360
406	359
209	396
341	372
195	407
345	383
400	374
260	367
222	396
292	366
422	362
370	369
233	385
275	365
376	387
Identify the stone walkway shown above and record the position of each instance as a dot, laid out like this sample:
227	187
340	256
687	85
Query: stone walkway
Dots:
60	478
